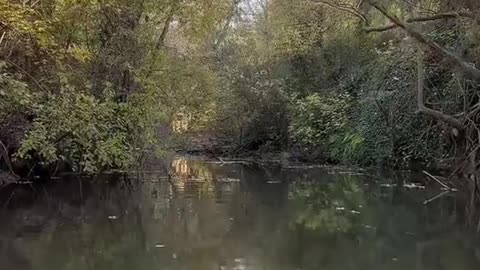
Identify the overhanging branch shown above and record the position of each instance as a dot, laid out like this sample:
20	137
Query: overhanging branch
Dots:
452	121
469	70
441	16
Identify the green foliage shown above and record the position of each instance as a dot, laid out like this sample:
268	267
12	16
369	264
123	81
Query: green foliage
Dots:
90	134
323	208
93	85
346	95
386	117
94	82
180	85
24	21
15	95
323	122
317	118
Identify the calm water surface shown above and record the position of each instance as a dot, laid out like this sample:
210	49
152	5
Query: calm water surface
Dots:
233	216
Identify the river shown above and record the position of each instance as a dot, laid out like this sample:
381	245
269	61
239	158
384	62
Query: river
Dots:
215	215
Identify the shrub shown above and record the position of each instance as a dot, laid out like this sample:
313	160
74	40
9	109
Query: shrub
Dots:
89	134
322	122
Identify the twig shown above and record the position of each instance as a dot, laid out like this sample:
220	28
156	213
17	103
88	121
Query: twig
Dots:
436	197
4	154
440	182
34	3
81	189
3	36
28	75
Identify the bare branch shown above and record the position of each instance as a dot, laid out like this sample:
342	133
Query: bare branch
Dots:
380	28
440	182
440	16
469	70
1	38
6	158
421	98
28	75
359	4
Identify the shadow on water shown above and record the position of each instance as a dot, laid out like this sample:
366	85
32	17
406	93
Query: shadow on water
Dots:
208	215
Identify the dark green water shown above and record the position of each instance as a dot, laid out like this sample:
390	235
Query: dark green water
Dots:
234	216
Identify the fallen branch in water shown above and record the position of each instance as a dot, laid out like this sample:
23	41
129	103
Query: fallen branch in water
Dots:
436	197
440	182
236	161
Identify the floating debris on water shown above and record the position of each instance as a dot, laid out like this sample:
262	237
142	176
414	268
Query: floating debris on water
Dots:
351	211
273	182
159	246
413	185
349	173
228	180
112	217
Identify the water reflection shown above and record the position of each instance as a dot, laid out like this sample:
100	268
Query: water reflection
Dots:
233	216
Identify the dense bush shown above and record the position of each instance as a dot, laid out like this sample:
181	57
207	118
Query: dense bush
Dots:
93	84
78	129
323	123
347	96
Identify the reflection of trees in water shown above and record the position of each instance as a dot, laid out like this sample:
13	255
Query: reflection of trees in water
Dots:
301	222
12	256
389	229
191	170
329	207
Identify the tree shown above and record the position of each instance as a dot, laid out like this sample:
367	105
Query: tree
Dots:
83	83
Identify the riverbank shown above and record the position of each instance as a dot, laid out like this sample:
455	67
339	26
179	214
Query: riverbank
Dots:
205	144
